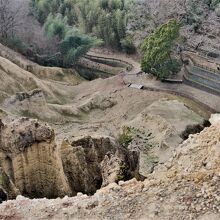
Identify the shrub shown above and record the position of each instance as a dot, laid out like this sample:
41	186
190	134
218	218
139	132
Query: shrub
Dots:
72	43
125	138
55	26
127	45
14	43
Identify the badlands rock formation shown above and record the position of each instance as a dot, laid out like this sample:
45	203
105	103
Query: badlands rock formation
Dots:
60	136
88	163
31	162
186	187
78	150
159	129
29	157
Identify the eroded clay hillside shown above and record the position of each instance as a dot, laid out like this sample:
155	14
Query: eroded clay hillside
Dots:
59	129
80	143
185	187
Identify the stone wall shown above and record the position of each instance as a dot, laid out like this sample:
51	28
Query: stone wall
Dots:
202	79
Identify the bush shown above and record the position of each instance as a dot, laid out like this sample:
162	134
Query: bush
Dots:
55	26
14	43
127	45
125	138
72	43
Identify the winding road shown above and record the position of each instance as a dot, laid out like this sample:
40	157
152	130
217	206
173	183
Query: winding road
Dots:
207	100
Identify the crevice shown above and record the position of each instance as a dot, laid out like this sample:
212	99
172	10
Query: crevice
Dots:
194	129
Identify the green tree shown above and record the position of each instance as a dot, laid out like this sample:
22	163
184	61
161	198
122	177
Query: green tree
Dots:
156	50
127	45
72	43
56	26
104	18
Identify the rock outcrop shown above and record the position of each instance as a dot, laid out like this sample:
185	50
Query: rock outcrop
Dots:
29	156
34	166
186	187
30	104
159	129
85	163
7	187
215	119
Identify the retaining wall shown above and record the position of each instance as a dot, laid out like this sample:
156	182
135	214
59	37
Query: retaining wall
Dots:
205	83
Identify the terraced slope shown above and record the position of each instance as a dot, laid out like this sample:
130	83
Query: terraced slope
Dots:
203	79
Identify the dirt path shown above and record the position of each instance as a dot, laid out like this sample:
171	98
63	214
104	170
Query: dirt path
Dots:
201	97
121	57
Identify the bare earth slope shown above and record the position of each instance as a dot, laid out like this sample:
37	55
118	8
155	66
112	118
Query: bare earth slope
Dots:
187	187
78	149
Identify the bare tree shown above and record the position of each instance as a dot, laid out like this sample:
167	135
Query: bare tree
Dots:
8	20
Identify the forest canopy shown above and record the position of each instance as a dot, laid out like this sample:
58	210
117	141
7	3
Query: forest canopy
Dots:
105	19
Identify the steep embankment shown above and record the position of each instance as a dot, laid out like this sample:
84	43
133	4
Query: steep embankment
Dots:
27	88
186	187
20	74
31	161
85	150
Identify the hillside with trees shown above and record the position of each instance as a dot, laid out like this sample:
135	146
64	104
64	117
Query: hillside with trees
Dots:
109	109
104	19
71	28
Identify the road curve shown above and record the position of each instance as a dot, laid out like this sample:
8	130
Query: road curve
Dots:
206	100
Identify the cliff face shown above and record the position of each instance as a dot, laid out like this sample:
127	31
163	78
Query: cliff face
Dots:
84	163
32	165
82	154
185	187
29	157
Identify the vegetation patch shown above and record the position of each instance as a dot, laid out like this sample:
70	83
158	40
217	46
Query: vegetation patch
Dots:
125	137
156	51
106	19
